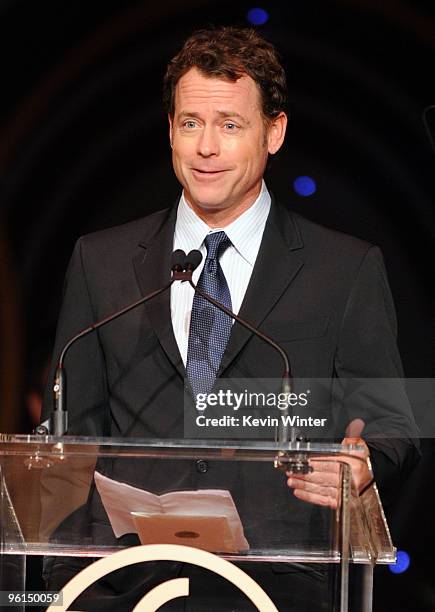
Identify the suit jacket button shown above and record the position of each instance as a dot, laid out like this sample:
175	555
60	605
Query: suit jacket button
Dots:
201	466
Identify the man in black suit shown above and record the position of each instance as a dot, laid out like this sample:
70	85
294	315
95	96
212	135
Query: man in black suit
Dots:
322	295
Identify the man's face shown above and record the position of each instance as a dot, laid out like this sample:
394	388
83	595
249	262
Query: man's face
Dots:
220	144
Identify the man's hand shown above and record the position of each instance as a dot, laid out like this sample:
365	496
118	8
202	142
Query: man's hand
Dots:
322	485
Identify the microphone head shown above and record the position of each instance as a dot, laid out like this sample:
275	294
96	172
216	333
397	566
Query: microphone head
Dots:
178	261
192	261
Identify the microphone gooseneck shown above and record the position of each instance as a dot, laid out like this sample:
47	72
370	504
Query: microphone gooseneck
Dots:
57	424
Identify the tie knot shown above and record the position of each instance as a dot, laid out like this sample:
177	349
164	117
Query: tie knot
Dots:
216	244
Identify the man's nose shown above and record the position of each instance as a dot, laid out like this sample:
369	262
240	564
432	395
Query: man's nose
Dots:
208	143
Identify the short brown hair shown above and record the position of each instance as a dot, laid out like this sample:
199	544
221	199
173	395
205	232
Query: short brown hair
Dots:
229	53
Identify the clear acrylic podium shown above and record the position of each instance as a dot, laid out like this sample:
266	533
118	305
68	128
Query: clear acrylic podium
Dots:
50	505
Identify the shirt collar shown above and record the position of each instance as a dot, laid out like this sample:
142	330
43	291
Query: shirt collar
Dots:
245	232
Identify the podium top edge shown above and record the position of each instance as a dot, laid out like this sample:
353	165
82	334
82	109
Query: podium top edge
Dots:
162	443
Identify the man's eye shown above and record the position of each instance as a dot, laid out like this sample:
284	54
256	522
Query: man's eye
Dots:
231	127
189	124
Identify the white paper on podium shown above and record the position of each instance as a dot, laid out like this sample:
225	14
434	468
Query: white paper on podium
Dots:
120	500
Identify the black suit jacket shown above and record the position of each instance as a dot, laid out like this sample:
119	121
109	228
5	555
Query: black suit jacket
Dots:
322	295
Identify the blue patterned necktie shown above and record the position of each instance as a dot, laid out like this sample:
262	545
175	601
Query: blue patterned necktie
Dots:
210	328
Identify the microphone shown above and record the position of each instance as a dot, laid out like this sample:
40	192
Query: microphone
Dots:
57	423
178	258
192	261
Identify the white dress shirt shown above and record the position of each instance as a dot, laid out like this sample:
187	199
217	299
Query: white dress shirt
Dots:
237	262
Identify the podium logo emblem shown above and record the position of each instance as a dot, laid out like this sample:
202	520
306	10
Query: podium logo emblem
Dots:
171	589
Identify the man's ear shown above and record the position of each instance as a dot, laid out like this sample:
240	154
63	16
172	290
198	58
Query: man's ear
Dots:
170	129
276	133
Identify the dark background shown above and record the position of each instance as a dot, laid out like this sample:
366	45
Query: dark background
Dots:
83	146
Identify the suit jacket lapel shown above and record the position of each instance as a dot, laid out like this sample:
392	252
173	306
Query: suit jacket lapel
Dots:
153	270
277	264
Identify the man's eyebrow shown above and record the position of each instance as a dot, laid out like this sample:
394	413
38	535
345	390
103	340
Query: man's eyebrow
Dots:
222	113
225	113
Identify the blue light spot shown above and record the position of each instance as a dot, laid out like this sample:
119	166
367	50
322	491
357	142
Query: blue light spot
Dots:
257	16
305	186
402	563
